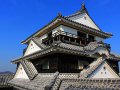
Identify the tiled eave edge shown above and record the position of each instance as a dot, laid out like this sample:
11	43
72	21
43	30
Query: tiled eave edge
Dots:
5	78
33	55
18	86
5	86
50	50
49	25
84	27
114	82
55	49
61	20
114	58
94	79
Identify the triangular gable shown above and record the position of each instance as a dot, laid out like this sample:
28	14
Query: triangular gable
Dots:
32	47
29	69
104	71
20	73
84	19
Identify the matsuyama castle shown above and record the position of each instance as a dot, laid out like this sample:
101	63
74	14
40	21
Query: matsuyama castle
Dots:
68	53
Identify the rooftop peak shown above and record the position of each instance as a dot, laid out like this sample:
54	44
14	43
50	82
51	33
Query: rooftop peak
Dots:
83	8
59	14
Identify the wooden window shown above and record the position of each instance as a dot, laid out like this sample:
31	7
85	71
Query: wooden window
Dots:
91	38
82	35
49	34
45	65
80	65
53	64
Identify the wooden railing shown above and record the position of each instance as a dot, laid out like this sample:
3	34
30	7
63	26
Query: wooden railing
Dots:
66	38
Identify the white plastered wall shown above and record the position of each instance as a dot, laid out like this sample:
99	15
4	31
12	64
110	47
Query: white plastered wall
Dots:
32	47
43	36
20	73
72	31
65	29
99	39
84	19
57	29
104	71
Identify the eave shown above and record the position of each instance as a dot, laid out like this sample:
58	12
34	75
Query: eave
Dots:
46	27
85	28
50	50
4	79
63	48
114	57
61	20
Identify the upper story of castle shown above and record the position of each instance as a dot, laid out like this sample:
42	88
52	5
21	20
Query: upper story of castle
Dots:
78	29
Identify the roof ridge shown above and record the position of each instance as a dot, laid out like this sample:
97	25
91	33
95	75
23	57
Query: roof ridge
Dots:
93	66
81	11
84	25
29	69
61	18
4	79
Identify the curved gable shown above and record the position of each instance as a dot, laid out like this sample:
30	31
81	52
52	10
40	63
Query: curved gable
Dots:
32	47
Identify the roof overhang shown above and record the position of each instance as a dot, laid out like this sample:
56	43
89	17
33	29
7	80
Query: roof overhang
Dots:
57	48
60	20
50	50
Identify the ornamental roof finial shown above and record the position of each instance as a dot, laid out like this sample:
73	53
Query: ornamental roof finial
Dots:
83	8
59	14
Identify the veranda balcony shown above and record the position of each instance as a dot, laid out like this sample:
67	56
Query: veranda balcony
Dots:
66	38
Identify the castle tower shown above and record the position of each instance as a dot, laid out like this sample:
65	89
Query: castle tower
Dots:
67	49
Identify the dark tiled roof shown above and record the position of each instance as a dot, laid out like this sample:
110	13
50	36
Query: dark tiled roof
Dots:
4	79
65	81
84	27
70	46
53	81
66	48
81	11
62	76
91	68
29	68
34	55
114	56
38	83
55	47
93	45
61	20
90	84
90	49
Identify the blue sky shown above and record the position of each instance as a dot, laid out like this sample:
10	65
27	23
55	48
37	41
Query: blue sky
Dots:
21	18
